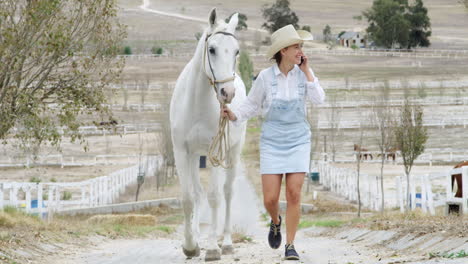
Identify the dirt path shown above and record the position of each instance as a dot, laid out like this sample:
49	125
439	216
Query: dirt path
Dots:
246	220
145	7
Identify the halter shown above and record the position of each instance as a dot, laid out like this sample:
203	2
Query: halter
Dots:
213	81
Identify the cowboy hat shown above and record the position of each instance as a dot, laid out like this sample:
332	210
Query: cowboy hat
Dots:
285	37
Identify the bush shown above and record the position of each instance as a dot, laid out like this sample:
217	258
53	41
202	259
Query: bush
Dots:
246	69
35	179
157	50
66	195
354	47
127	50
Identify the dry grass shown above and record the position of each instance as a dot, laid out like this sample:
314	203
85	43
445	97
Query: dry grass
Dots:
128	219
417	222
20	230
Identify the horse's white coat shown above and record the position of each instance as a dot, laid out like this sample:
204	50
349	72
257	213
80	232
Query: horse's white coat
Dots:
194	115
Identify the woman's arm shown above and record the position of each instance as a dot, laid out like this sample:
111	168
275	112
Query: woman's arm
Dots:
250	107
315	92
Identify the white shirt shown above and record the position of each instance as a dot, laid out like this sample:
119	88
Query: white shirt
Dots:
259	99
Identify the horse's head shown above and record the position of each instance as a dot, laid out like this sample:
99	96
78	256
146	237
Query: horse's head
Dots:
219	56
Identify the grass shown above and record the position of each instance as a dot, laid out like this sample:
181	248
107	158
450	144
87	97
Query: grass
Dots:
321	223
460	254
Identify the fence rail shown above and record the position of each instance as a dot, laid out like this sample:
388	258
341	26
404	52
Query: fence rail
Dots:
39	197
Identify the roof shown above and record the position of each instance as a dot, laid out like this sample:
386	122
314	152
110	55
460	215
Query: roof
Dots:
349	34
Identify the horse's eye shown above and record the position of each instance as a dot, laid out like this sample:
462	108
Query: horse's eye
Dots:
212	51
237	53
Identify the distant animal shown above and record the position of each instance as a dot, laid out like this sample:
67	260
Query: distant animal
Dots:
390	153
111	122
457	178
364	152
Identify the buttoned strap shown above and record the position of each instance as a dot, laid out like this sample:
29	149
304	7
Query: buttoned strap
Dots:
274	84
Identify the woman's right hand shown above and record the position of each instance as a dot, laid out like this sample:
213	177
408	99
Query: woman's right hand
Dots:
226	112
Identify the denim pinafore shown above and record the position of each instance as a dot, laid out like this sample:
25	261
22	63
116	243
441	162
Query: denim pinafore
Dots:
285	138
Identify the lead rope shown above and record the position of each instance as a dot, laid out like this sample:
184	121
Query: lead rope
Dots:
218	151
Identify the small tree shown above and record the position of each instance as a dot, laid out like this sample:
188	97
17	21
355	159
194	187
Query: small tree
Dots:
410	137
127	50
157	50
333	117
383	119
279	15
242	24
55	63
246	69
327	35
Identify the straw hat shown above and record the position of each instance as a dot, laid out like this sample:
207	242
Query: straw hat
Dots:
285	37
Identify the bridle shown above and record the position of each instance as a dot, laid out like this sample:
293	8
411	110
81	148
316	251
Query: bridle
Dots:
213	81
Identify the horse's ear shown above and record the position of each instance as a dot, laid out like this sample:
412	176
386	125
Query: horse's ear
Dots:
233	23
212	19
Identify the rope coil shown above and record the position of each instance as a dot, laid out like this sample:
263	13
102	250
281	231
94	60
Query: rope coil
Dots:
218	153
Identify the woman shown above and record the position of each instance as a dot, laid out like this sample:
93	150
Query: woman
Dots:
279	94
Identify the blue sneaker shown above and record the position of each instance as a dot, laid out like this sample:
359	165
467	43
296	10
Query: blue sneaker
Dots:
274	236
290	252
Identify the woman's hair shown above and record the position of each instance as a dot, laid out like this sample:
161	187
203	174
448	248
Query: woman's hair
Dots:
277	57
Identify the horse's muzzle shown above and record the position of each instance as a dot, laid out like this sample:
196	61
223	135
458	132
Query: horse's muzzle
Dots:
226	95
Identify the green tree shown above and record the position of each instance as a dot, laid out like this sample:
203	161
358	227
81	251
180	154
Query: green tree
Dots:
55	58
242	24
420	25
327	35
279	15
465	3
246	69
410	137
396	24
388	26
306	28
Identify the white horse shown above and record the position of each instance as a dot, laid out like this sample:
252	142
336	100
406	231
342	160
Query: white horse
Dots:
194	115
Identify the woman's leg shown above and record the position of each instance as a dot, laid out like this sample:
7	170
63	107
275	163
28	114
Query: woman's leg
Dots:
271	185
294	183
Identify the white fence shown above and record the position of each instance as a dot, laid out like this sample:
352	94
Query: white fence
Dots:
426	195
36	197
65	160
343	181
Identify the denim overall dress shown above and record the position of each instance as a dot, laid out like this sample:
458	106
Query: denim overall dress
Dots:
285	138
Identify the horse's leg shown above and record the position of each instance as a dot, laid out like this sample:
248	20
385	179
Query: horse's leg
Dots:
185	164
230	176
213	252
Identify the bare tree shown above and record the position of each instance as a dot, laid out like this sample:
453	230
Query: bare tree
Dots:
410	137
383	119
55	64
358	169
334	115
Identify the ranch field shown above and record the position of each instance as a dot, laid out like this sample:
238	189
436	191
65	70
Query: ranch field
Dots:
141	97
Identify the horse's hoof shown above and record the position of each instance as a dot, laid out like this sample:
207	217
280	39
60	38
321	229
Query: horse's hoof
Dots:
228	250
192	253
213	254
